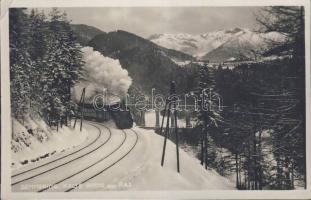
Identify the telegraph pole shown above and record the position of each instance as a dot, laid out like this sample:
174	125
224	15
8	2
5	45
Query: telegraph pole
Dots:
82	98
170	102
175	125
82	114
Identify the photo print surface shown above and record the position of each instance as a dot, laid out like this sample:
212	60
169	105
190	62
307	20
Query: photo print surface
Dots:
157	98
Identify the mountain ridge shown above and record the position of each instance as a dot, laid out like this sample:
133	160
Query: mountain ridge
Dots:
234	43
85	33
149	65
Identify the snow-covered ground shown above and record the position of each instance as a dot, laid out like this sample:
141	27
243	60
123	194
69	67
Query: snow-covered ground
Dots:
141	169
151	176
28	148
150	120
122	160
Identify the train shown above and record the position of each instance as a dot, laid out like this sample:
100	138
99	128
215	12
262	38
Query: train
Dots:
120	114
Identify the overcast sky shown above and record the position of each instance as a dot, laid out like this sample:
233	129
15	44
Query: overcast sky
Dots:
147	21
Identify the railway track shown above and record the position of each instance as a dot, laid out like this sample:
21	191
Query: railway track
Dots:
77	151
106	168
80	172
88	167
79	157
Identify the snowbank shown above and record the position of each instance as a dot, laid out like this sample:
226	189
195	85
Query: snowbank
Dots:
146	172
150	120
35	140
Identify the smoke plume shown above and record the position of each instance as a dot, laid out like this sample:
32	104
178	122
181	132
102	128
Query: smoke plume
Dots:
101	73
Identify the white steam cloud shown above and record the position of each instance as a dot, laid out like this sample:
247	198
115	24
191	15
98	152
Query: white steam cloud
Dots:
101	73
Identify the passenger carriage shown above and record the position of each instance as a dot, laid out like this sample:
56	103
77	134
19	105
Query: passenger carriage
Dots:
120	114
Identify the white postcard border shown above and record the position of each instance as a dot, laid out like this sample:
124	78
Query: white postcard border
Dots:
210	194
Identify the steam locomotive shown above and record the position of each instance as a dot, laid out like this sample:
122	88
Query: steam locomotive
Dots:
120	114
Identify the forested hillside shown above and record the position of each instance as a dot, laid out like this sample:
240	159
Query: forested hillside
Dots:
45	63
262	122
85	33
150	65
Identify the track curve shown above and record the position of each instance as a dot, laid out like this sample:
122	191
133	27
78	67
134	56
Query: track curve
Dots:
79	157
105	169
45	164
100	160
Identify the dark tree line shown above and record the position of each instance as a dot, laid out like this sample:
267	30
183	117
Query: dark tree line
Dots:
208	116
262	123
45	62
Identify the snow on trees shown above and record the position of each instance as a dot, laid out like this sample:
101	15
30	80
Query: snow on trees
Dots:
45	63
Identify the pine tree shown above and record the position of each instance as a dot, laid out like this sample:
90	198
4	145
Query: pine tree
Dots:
45	63
62	64
287	20
21	64
290	22
37	50
208	114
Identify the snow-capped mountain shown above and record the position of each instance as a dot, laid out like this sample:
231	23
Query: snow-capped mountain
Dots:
225	44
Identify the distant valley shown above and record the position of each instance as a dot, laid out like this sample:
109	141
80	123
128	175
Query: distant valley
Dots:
153	62
149	65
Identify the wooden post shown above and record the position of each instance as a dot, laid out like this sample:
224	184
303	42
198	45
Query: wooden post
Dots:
170	102
255	161
240	171
82	110
205	148
292	176
66	117
61	122
166	132
173	119
202	147
69	119
157	113
188	124
164	114
175	125
142	118
237	171
74	125
245	180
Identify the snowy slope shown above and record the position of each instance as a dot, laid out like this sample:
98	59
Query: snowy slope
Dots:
141	169
200	45
247	46
192	175
28	149
121	160
196	45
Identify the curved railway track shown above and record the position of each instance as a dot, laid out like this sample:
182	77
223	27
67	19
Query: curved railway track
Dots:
106	168
88	167
45	164
79	157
